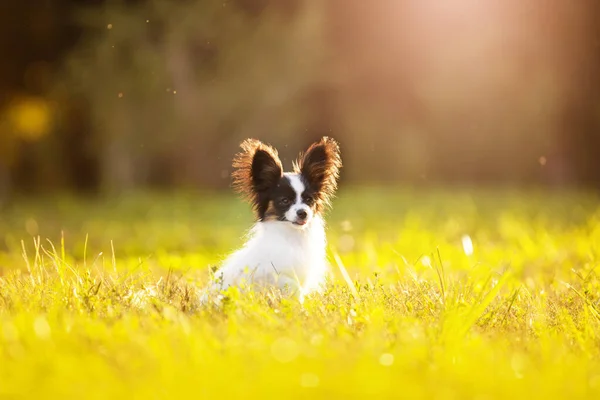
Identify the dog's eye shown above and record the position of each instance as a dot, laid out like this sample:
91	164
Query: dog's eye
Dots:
307	200
284	201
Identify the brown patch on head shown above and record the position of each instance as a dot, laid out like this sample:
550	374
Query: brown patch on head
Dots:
320	168
257	169
270	213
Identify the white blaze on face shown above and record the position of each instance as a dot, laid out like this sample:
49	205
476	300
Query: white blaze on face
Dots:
298	186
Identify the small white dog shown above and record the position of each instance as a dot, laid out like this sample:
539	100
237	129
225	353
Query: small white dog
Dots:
286	247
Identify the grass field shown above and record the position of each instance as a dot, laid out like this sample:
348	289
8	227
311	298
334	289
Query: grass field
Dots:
454	295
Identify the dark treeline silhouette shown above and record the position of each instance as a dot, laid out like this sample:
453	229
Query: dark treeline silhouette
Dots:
117	95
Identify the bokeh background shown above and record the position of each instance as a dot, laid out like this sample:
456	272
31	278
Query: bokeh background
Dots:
106	96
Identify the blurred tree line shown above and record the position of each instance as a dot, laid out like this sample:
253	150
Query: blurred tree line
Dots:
116	95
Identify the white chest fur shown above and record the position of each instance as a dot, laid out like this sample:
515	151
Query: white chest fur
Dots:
279	254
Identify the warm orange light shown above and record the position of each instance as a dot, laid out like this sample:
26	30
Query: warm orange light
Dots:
31	118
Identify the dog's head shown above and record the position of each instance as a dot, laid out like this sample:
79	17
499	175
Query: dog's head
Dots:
294	197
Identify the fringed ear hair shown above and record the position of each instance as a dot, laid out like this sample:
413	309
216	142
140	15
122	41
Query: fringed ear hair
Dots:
257	169
320	167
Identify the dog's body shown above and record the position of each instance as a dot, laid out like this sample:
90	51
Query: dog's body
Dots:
286	248
278	255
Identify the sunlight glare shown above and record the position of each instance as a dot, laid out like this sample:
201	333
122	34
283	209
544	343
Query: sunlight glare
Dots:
467	245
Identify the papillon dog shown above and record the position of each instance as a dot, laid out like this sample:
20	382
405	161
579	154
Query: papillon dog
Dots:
285	248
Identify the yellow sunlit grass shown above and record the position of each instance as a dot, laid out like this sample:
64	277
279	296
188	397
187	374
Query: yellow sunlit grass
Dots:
443	295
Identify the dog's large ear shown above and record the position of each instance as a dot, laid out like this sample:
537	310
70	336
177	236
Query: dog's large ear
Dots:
257	168
320	167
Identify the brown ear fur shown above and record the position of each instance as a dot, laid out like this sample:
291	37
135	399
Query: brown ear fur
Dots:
256	167
320	166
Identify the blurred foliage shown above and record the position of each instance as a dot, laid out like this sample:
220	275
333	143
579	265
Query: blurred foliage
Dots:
135	93
174	86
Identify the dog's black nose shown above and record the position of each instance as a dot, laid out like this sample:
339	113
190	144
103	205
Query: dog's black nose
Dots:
301	214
